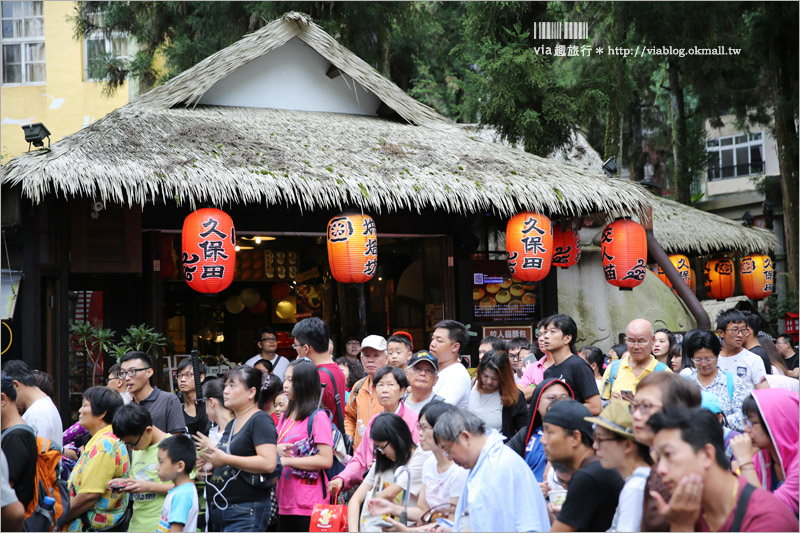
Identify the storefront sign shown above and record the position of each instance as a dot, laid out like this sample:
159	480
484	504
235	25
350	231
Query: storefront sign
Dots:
509	332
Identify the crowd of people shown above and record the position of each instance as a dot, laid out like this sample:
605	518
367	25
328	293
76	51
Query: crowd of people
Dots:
692	432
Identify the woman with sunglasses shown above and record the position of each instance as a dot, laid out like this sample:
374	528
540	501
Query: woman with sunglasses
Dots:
771	429
703	348
240	489
442	479
390	385
397	468
495	397
300	484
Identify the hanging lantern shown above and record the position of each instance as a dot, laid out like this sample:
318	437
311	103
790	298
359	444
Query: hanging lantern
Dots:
529	243
352	248
662	276
566	247
758	276
209	258
624	249
719	278
681	264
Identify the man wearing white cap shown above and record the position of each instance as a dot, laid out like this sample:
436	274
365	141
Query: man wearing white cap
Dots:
363	404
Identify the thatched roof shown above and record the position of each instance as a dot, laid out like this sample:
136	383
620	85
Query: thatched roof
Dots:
161	148
681	228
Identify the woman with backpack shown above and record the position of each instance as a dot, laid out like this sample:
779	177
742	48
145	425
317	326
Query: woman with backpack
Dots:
304	456
241	487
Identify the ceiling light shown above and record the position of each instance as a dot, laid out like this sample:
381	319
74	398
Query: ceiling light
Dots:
258	240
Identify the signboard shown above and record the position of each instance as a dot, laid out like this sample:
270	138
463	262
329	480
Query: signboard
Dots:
499	297
509	332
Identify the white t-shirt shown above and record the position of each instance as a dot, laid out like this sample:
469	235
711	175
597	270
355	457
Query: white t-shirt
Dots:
746	365
487	406
379	481
628	516
454	385
43	416
279	364
441	488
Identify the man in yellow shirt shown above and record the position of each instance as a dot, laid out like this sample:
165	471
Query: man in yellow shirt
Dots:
622	376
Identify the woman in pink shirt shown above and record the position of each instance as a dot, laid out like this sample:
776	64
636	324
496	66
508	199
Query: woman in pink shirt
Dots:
390	384
300	485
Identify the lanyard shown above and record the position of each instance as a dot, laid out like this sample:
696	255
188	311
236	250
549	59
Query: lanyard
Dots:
282	435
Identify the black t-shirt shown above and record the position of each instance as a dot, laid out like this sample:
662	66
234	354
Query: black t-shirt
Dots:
259	429
578	375
592	498
198	422
762	353
791	363
19	445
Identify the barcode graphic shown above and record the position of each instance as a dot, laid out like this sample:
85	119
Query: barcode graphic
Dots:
561	30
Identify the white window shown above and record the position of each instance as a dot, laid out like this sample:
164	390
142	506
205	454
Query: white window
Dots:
97	44
736	156
23	42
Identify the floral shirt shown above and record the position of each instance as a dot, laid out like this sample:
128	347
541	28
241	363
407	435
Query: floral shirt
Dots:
731	404
104	458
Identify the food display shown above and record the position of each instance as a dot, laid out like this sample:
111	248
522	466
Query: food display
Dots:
502	297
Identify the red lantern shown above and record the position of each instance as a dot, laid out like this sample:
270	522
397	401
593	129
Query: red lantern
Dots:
758	276
719	278
566	247
624	248
209	257
681	264
529	243
662	276
352	248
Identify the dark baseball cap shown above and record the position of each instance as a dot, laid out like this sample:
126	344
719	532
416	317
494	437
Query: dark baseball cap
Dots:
570	415
424	355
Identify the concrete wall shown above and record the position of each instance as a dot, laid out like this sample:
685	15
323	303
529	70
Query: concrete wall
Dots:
292	77
602	311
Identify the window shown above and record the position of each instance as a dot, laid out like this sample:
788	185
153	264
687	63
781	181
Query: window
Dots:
736	156
23	42
97	45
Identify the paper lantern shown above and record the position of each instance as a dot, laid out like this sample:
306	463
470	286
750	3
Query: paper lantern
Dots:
209	257
758	276
681	264
280	290
720	280
249	297
624	249
234	304
529	243
352	248
662	276
566	247
259	307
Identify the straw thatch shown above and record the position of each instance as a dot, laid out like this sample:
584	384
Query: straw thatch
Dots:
161	147
681	228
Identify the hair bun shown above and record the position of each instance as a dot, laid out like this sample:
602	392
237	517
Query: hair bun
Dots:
265	379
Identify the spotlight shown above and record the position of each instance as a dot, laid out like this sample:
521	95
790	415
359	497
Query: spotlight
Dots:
610	166
258	240
650	184
748	219
35	134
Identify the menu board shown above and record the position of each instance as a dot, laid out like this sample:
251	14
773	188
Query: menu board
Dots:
501	297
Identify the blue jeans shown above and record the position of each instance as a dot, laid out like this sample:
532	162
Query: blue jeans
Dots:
241	517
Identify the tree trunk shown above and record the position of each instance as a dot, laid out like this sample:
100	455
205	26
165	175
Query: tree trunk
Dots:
612	140
678	120
636	150
787	145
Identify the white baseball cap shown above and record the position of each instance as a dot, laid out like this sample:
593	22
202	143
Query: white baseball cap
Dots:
373	341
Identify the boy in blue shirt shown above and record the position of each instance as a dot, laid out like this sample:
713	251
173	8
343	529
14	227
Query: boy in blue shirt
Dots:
176	459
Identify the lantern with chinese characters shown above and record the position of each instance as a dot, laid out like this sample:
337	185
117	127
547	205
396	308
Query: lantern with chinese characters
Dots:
624	249
352	248
681	264
719	278
662	276
758	276
566	247
208	255
529	243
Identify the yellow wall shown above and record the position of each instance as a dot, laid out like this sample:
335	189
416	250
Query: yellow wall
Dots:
83	102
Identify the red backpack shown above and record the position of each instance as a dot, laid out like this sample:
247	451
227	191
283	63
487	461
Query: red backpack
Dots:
48	482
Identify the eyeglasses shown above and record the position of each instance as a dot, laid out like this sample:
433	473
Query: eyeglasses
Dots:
112	379
515	356
424	427
296	346
135	443
637	342
645	408
132	372
269	339
749	423
353	343
603	439
743	331
553	397
379	449
424	370
185	375
707	361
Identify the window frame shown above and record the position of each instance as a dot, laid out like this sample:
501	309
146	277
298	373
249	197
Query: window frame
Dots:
108	42
715	146
22	41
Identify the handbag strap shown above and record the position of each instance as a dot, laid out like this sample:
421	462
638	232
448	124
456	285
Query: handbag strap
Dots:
741	507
